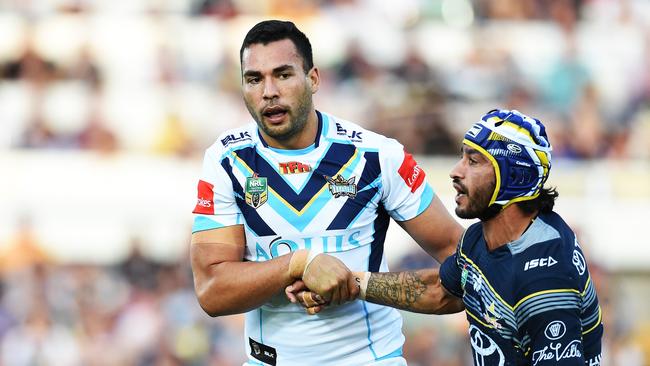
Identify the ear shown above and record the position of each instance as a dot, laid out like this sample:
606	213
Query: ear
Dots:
314	78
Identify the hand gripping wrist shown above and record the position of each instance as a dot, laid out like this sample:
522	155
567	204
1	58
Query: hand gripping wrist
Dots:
300	260
298	263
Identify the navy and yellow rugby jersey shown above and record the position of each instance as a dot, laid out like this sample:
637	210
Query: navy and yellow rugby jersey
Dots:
530	302
335	196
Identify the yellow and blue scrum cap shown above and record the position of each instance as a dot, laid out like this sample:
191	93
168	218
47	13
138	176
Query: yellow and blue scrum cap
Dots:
518	147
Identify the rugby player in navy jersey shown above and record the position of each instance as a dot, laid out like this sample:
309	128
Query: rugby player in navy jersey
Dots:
519	273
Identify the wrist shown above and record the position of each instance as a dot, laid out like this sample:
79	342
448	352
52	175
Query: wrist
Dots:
298	263
362	279
311	255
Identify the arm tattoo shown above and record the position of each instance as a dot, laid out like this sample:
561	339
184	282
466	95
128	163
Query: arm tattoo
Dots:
399	290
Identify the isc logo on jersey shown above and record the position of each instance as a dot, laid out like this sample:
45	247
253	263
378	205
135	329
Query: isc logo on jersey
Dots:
539	262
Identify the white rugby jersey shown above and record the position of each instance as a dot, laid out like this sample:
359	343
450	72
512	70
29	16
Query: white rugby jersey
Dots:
335	196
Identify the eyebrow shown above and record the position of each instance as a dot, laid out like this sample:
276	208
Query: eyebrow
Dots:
469	150
276	70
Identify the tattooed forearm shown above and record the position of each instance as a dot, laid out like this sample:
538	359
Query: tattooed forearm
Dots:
418	291
400	290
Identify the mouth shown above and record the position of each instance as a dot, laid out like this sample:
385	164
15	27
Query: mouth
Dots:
460	192
275	114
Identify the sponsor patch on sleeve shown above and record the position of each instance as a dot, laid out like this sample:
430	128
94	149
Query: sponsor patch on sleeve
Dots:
411	172
262	352
205	199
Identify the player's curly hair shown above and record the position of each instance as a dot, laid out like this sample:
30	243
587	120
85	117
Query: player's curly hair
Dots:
543	203
269	31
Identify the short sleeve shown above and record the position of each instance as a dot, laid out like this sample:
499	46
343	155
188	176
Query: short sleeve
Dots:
406	194
451	276
215	205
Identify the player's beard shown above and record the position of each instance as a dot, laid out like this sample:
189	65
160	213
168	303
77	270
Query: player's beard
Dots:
478	203
296	119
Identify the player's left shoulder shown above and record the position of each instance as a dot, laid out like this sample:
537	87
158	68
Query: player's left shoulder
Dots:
545	249
344	131
567	247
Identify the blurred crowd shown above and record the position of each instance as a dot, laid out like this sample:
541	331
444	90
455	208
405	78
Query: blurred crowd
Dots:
135	312
141	311
163	77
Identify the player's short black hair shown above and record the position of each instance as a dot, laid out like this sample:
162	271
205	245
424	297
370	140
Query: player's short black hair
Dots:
269	31
543	203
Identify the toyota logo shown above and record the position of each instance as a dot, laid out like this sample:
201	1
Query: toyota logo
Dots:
486	350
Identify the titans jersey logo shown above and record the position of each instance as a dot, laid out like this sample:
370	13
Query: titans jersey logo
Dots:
340	186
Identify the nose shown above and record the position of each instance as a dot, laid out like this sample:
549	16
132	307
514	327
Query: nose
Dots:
270	89
456	171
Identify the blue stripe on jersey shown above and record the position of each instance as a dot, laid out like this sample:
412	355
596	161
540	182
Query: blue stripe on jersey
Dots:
545	296
253	219
304	183
299	221
351	210
426	198
311	209
324	126
353	207
376	188
546	302
320	128
590	319
306	150
337	155
396	353
202	223
371	171
261	333
365	310
377	245
589	295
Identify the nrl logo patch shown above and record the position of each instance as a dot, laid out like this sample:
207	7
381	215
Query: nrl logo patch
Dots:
340	186
256	191
463	277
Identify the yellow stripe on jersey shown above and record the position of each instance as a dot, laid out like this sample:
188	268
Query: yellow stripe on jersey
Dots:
557	290
586	286
477	319
496	294
600	319
304	209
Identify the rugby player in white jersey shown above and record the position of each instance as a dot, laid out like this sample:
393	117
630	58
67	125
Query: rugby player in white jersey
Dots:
278	193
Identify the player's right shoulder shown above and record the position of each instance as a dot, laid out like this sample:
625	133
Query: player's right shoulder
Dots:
233	139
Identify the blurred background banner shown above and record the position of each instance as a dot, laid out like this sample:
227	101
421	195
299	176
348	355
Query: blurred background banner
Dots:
107	106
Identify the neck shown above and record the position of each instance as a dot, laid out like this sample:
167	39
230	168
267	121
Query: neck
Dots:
507	226
301	140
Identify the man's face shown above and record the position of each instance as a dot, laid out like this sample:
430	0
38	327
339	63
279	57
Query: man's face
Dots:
277	92
474	181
